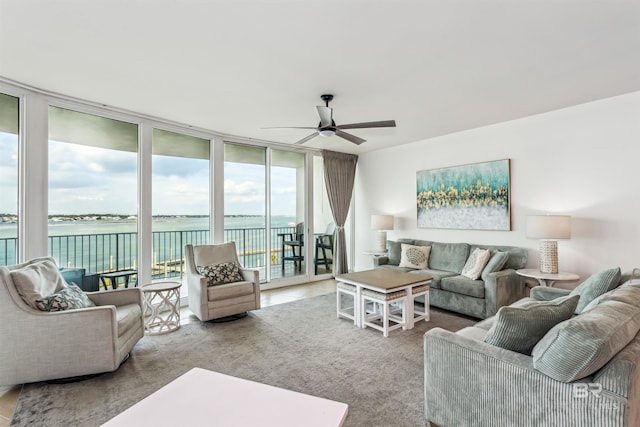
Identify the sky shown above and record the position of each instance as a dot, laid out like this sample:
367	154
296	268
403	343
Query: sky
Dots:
86	180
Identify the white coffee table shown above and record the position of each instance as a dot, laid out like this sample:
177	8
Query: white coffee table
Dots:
206	398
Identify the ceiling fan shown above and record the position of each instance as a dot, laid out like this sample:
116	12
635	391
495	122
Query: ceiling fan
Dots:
327	127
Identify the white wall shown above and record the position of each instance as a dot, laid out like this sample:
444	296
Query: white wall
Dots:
581	161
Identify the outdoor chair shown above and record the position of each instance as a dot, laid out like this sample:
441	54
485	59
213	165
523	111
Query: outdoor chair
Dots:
75	342
324	247
293	247
219	294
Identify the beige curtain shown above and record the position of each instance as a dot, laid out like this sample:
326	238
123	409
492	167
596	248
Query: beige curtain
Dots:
339	174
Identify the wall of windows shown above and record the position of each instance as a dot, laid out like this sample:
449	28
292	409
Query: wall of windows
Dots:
95	188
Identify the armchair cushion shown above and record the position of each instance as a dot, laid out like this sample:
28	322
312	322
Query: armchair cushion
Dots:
37	280
219	274
70	297
519	328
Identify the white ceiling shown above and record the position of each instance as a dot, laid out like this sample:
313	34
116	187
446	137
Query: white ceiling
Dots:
235	66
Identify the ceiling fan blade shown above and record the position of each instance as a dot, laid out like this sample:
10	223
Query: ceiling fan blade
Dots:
289	127
307	138
326	115
378	124
349	137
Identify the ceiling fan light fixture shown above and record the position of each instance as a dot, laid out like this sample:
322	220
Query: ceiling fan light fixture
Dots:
327	132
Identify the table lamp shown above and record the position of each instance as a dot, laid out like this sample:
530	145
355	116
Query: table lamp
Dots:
549	228
382	223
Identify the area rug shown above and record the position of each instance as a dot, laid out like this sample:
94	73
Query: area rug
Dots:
299	346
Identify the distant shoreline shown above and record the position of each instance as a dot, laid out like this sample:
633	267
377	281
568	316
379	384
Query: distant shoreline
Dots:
9	218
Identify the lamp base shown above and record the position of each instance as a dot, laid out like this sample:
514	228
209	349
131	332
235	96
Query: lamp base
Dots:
381	241
549	256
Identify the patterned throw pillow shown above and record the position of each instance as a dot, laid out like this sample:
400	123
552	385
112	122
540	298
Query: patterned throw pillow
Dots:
219	274
70	297
475	263
414	256
520	328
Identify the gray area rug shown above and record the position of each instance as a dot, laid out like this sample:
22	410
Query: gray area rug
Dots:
299	346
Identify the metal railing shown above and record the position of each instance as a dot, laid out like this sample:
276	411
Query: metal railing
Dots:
99	253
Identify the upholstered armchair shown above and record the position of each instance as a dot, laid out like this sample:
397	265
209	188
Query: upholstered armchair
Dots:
46	345
213	301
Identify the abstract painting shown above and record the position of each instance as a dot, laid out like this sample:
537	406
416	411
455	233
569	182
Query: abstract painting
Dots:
468	197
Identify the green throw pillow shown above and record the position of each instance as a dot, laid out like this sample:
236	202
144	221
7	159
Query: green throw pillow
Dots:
496	263
395	252
594	286
520	328
219	274
70	297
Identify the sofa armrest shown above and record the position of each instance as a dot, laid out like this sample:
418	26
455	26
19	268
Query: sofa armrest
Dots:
502	288
380	260
544	293
469	382
253	276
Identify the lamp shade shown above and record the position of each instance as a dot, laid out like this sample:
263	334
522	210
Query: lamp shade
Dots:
381	222
549	227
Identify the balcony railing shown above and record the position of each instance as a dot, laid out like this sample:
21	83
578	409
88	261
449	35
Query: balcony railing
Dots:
99	253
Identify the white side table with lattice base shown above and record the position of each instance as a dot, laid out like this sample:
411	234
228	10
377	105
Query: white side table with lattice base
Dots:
161	307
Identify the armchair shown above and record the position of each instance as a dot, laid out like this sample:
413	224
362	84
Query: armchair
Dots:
213	302
40	346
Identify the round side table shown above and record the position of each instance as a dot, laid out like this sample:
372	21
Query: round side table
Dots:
547	279
161	307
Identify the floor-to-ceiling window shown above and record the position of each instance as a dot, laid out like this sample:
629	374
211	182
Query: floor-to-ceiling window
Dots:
92	201
9	125
288	227
245	204
180	199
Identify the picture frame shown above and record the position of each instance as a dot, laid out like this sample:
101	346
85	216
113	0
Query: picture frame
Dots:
468	197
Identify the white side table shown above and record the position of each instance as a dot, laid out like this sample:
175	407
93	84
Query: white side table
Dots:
161	307
547	279
376	254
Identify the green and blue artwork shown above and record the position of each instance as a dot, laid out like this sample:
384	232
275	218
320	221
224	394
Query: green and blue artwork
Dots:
469	197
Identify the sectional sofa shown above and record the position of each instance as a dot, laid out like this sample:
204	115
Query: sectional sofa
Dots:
584	371
450	290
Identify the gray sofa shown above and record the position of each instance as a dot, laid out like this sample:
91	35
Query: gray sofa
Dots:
449	290
582	372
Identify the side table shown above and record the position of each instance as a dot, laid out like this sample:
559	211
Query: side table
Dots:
547	279
161	307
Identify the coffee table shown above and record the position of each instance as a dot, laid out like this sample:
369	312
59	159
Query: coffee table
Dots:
206	398
385	281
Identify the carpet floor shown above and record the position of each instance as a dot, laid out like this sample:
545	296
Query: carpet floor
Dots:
299	346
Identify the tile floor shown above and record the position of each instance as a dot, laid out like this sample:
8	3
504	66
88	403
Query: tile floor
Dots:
9	394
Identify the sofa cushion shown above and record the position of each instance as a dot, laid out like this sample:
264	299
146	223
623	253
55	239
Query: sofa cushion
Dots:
37	280
517	256
127	316
396	268
596	285
219	274
626	293
448	256
519	328
496	263
414	256
463	285
68	298
436	276
475	263
578	347
395	250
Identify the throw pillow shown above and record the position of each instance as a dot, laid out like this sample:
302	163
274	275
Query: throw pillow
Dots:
415	256
476	263
594	286
520	328
37	280
219	274
394	252
70	297
496	263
